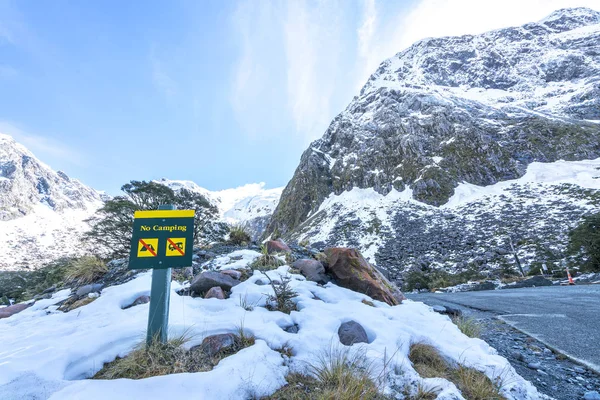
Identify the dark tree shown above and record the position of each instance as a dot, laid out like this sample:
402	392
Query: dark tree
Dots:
585	240
111	226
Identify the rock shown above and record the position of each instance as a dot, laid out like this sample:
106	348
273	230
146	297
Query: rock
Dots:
312	269
49	290
143	299
214	344
350	270
439	309
233	273
188	272
534	365
215	293
209	279
352	332
591	396
260	282
12	310
277	246
579	370
517	356
455	312
84	290
531	282
480	286
292	328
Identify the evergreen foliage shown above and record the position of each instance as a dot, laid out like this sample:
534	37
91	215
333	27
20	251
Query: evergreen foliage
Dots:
585	240
111	226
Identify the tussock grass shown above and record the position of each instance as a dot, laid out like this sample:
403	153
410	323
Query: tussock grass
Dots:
167	358
338	374
473	384
86	269
266	261
238	235
420	394
428	361
469	326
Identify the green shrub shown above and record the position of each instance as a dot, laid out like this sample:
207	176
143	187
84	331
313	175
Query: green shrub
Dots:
282	299
238	235
585	240
23	285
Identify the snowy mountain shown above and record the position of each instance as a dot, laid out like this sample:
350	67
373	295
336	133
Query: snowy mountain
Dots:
42	212
490	114
250	205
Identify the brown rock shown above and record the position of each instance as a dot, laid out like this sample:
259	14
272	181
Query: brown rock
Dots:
350	270
212	345
143	299
12	310
215	293
233	273
277	246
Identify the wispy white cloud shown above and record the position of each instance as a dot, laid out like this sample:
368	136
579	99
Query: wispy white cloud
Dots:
161	79
7	72
313	42
43	147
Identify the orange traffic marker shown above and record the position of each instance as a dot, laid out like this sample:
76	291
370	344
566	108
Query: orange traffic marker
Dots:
571	281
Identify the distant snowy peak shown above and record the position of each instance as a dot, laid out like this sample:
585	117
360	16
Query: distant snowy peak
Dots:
548	67
26	183
242	205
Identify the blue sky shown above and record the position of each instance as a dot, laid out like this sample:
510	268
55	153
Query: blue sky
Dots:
219	92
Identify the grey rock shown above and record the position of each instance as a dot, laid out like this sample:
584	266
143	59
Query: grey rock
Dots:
352	332
312	269
439	309
206	280
518	356
592	395
49	290
579	370
233	273
87	289
534	365
292	328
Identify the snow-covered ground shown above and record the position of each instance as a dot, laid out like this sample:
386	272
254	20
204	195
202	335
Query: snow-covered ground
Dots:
43	235
49	354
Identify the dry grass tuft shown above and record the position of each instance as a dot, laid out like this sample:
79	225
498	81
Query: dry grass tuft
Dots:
475	385
367	302
86	269
339	374
469	326
238	235
166	358
420	394
428	361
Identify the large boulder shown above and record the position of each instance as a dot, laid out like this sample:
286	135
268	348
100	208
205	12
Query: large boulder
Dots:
209	279
12	310
313	270
352	332
350	270
277	246
531	282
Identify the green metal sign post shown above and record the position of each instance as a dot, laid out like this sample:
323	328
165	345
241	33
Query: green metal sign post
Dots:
161	240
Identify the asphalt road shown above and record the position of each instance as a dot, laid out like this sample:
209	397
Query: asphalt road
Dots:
565	318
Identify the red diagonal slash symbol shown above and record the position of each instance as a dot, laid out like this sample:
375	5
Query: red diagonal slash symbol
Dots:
176	247
149	248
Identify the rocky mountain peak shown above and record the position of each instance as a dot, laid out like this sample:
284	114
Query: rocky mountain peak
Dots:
475	108
26	182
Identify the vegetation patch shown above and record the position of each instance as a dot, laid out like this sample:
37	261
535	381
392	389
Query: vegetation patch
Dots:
282	299
238	235
467	325
266	261
473	384
167	358
86	269
24	285
339	374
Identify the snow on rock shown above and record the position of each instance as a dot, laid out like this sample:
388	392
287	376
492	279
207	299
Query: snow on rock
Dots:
42	212
250	205
61	350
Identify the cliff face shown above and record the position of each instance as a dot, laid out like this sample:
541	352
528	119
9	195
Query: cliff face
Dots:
439	161
476	109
